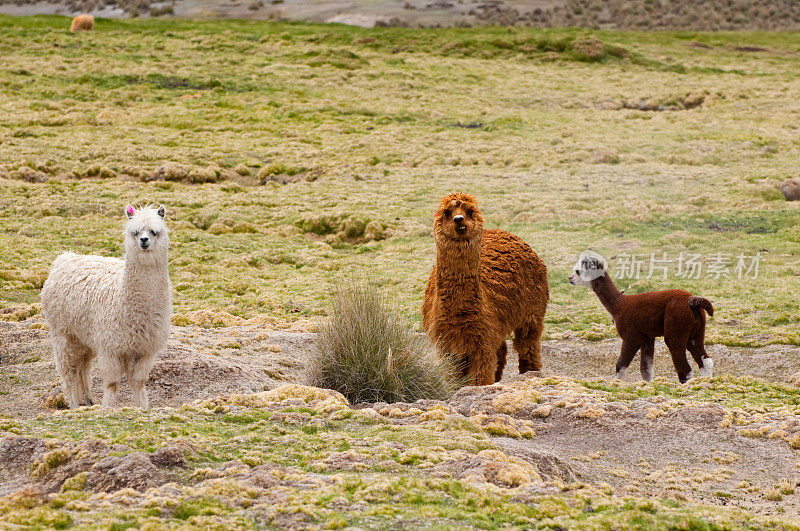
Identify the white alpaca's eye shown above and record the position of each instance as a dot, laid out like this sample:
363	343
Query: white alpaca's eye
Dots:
135	233
154	233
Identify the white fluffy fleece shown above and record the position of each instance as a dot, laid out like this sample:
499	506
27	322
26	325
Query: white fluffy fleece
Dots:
117	310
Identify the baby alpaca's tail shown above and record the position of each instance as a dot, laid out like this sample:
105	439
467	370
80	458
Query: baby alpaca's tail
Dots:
699	303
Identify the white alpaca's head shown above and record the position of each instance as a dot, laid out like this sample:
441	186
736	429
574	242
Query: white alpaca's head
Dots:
590	266
146	235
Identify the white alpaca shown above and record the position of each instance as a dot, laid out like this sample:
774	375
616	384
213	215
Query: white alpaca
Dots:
117	310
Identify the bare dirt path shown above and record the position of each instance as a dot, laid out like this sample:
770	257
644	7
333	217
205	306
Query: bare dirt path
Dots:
684	455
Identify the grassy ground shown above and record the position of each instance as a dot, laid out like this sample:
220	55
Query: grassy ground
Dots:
299	457
380	123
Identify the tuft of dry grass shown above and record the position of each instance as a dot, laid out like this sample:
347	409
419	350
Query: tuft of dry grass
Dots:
370	353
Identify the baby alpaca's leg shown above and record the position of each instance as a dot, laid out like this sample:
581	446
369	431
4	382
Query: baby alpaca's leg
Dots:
646	360
482	367
704	362
697	347
139	390
678	323
68	360
627	352
677	348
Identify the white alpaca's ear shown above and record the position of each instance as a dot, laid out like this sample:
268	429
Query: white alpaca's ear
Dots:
162	211
130	211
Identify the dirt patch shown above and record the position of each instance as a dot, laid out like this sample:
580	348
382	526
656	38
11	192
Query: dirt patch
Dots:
198	363
52	466
678	102
686	454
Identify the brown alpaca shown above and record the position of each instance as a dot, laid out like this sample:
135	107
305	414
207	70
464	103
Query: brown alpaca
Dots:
82	23
675	314
485	285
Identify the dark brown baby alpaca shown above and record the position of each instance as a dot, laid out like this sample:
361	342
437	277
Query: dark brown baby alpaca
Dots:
675	314
485	285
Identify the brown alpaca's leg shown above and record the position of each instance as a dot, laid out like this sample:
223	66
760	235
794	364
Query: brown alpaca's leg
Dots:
502	354
629	349
528	344
646	359
482	367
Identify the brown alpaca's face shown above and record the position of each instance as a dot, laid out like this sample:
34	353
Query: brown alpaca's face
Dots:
458	218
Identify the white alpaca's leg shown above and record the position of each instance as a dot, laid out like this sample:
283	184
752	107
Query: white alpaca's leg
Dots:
139	389
138	373
110	391
111	373
85	371
67	360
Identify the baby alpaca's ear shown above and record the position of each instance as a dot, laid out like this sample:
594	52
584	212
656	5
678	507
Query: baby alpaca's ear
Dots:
591	268
130	211
162	211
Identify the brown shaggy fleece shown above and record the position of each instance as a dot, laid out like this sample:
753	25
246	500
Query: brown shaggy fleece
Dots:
82	23
485	285
674	314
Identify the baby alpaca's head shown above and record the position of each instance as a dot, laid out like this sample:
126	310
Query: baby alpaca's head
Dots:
458	219
146	235
589	266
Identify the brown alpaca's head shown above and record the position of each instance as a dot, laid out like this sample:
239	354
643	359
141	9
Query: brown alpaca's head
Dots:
458	219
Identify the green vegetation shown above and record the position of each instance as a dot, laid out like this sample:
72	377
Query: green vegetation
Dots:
749	394
370	353
570	138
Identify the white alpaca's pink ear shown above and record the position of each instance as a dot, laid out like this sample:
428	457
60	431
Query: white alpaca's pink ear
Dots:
130	211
